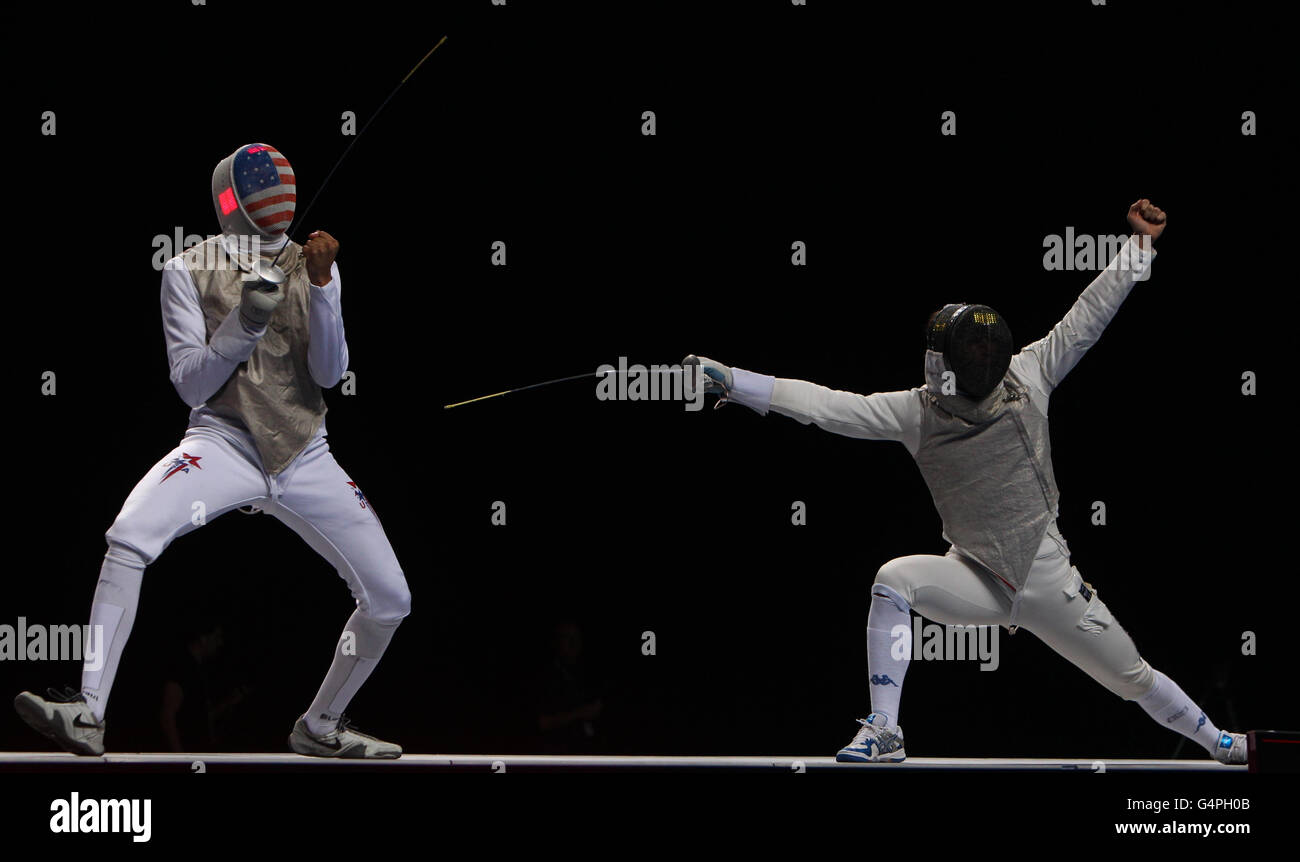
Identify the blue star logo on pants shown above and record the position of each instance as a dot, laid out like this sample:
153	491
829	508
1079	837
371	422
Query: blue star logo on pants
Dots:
361	498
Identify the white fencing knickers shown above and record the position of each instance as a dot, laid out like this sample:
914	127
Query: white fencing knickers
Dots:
208	475
1054	604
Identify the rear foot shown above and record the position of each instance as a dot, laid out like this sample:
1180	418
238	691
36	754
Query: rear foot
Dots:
65	718
1231	748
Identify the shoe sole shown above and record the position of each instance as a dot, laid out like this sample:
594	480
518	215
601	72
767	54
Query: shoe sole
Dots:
854	757
337	755
31	710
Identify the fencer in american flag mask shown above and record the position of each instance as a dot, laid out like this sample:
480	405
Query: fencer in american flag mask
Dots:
254	192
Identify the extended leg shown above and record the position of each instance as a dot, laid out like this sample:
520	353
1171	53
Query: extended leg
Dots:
1069	616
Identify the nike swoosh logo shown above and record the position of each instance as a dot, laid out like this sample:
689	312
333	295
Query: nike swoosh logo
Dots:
77	722
336	745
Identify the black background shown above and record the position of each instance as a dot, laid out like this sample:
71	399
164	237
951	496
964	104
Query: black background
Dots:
775	124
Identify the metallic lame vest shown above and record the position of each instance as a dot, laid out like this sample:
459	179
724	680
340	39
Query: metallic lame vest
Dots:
988	465
272	394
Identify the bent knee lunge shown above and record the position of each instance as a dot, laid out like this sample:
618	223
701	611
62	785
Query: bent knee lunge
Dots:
892	582
884	591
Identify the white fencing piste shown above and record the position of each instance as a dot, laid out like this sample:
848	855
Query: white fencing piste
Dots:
29	761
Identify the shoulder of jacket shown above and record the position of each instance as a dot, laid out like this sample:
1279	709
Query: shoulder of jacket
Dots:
196	253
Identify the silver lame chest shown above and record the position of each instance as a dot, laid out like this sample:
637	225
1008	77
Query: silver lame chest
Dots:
272	393
990	476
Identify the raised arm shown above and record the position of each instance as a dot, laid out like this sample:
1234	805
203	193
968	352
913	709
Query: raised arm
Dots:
1045	362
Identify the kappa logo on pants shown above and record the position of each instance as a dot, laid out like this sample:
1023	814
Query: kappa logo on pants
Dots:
360	496
882	679
182	465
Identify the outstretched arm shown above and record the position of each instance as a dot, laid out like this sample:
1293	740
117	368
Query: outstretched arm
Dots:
881	416
1045	363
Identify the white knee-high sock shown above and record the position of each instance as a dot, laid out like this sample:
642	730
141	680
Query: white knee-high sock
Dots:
888	651
1170	706
358	651
112	614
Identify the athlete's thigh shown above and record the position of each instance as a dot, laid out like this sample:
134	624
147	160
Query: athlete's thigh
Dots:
199	480
1070	617
952	590
321	503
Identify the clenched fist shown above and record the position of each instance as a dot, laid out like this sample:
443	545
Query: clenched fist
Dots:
320	251
1146	218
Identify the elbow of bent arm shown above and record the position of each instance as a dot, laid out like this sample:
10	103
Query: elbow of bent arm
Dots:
328	382
342	367
329	377
187	394
185	386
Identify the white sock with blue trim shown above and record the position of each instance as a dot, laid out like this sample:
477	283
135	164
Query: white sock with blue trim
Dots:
1170	706
889	650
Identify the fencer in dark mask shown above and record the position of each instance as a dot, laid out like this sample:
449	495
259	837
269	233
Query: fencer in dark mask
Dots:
978	431
973	344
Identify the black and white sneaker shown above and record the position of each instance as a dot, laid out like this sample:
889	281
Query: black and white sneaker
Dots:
345	741
65	718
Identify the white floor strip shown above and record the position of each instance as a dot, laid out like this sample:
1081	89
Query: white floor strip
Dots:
614	763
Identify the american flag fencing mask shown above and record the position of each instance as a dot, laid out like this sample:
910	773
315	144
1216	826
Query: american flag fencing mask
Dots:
254	192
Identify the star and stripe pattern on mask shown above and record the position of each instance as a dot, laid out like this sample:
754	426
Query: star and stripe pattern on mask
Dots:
265	184
181	465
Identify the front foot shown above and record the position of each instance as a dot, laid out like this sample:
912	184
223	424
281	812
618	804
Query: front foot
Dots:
344	742
874	743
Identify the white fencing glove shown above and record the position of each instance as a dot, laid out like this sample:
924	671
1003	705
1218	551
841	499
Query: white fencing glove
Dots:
263	291
715	376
